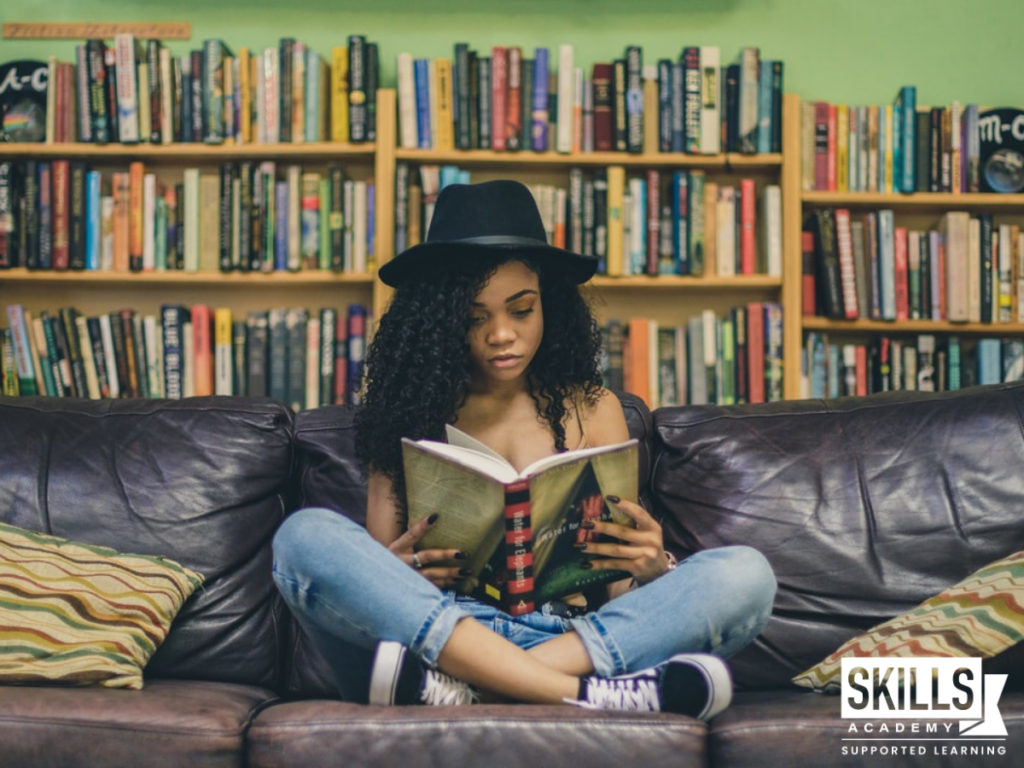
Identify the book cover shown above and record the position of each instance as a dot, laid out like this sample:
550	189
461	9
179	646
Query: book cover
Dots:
1001	150
519	528
23	90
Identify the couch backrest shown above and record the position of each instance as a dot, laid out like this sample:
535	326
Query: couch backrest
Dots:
328	475
863	506
201	481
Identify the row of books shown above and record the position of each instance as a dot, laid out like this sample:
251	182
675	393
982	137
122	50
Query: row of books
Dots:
968	269
903	147
301	357
251	216
925	363
654	223
510	101
736	358
137	91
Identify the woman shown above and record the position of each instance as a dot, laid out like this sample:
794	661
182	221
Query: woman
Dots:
487	331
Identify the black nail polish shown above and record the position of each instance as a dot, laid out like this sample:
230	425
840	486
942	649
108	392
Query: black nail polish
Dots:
580	545
613	498
460	555
586	565
433	518
464	572
588	524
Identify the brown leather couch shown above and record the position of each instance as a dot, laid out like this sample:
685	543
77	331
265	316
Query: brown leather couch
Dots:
863	506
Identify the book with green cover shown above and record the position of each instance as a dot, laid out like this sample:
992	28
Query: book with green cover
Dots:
518	528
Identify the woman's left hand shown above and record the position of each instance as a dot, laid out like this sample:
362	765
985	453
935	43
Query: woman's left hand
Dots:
640	550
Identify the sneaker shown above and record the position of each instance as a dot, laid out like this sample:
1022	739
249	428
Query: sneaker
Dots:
397	677
694	684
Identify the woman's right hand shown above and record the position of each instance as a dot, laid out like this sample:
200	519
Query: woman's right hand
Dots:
435	565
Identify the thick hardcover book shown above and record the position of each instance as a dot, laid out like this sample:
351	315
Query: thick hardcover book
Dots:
356	335
619	110
828	275
76	216
9	236
357	93
257	348
691	99
518	528
634	99
61	197
604	125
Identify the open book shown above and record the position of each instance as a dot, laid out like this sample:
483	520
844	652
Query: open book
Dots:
518	528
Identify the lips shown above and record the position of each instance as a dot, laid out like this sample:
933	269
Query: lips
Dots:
505	361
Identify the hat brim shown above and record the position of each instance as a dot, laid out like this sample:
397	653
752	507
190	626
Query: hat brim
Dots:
425	258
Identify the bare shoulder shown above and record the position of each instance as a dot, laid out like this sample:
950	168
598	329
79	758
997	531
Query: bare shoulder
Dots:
604	422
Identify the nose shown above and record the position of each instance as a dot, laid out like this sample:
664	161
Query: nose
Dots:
500	332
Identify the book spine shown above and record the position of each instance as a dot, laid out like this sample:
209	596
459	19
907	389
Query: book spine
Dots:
357	96
517	596
691	99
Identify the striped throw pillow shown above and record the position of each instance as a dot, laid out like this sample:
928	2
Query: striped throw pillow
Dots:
982	616
79	614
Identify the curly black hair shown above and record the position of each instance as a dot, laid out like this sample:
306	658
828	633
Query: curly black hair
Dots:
418	365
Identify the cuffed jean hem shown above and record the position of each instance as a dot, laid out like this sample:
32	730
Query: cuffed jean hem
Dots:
605	655
438	627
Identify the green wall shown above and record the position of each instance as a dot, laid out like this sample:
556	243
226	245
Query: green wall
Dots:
847	51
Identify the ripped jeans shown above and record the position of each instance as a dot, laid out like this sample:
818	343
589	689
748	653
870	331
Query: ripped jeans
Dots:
347	591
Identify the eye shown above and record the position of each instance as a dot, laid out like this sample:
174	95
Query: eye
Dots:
475	320
522	312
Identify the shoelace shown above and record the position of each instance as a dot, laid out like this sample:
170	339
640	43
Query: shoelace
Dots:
441	690
632	694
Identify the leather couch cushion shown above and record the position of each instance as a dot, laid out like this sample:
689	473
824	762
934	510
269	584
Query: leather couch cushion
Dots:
169	723
200	481
320	733
788	728
864	506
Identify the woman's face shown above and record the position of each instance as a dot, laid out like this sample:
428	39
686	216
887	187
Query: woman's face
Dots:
506	325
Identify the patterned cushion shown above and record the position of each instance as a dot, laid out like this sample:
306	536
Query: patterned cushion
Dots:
982	616
80	614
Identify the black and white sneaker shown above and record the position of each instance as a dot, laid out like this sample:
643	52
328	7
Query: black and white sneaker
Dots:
398	677
694	684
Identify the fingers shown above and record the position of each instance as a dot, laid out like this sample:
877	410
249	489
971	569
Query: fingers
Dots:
634	511
415	532
621	551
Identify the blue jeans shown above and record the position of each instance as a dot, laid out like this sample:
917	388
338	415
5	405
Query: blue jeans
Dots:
348	592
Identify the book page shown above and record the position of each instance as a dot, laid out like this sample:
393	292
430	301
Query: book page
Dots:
470	504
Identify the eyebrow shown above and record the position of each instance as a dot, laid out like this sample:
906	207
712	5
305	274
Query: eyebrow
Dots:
514	296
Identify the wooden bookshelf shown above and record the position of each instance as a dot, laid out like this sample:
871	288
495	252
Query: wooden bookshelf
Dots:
669	299
918	210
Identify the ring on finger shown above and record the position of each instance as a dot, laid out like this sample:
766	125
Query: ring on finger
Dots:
416	562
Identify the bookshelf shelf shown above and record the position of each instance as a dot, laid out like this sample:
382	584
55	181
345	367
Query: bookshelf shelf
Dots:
175	277
724	162
919	200
195	152
678	282
909	326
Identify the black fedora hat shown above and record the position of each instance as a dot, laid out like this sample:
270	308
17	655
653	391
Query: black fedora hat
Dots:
494	217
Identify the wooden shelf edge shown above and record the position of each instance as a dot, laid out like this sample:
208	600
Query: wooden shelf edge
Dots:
916	200
247	279
908	326
662	282
556	159
181	151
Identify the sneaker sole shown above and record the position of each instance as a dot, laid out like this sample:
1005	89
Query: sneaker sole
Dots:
717	677
387	666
